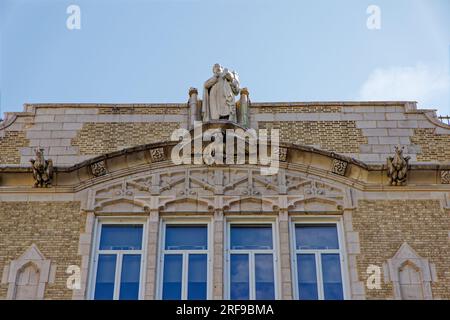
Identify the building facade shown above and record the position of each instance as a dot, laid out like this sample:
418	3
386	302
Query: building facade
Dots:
103	212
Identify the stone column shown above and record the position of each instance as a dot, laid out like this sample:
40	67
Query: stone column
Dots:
152	255
243	108
285	255
218	230
194	111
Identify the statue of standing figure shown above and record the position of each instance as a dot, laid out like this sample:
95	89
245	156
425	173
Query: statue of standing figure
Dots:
219	95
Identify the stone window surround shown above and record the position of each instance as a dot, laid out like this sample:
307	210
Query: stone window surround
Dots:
151	270
94	258
242	220
177	220
338	221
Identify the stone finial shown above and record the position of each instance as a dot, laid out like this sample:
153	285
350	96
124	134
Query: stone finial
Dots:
194	107
244	91
397	167
42	170
243	109
192	91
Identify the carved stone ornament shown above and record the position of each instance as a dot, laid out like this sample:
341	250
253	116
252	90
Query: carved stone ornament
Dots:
339	167
282	153
42	170
157	154
397	168
99	169
445	177
28	275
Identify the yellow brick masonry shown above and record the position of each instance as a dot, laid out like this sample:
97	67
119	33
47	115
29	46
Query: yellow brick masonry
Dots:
298	109
435	147
103	137
54	227
384	225
10	146
337	136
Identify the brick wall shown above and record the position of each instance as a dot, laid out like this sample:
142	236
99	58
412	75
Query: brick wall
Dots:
10	146
101	137
338	136
54	227
297	109
384	225
435	147
140	110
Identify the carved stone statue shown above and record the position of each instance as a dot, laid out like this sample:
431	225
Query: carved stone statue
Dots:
397	168
219	95
42	170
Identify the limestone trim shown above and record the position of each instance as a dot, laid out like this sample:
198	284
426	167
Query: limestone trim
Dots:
84	250
407	257
44	272
204	190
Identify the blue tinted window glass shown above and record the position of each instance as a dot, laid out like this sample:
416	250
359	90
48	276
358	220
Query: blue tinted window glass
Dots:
106	271
307	277
197	276
251	237
264	277
316	236
186	237
331	274
129	279
173	267
121	237
239	275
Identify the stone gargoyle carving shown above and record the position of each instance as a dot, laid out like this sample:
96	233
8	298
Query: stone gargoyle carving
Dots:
42	170
397	168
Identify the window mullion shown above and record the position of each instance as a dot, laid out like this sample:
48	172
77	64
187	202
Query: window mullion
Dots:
184	276
319	276
119	256
252	270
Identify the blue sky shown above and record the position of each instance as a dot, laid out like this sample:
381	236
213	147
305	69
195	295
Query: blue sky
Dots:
152	51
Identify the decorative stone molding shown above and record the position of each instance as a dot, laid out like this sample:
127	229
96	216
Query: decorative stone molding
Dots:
445	177
99	168
157	154
339	167
410	274
28	275
397	168
282	153
204	189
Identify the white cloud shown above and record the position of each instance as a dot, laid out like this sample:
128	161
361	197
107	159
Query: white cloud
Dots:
426	84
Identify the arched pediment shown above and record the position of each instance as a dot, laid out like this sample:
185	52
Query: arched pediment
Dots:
122	205
186	204
250	204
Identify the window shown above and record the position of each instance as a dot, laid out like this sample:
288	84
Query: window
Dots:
251	262
118	262
318	262
185	262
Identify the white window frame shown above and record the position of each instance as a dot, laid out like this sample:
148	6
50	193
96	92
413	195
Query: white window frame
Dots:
273	222
302	220
99	222
185	253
